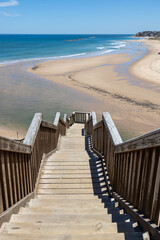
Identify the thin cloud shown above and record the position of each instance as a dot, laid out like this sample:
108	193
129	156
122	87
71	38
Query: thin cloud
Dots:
10	14
9	3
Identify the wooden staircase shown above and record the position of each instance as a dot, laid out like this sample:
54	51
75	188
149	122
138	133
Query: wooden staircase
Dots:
72	201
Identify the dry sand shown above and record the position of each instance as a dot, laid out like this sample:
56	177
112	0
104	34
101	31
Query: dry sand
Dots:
148	67
135	108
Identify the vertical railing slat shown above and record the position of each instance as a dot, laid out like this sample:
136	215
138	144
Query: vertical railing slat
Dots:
9	179
18	176
155	213
4	181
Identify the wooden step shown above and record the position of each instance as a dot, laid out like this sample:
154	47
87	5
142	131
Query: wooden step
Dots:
71	191
65	210
70	159
70	180
71	171
70	205
93	186
95	236
53	228
72	199
69	218
72	176
71	202
71	168
69	163
84	197
73	152
71	186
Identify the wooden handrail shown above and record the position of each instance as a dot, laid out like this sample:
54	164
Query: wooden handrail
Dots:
48	125
78	117
148	140
109	124
20	162
133	166
9	145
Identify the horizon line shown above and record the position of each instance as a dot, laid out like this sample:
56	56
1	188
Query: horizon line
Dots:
67	33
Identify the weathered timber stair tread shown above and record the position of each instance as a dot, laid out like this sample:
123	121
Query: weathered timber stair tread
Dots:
72	201
46	210
63	228
89	236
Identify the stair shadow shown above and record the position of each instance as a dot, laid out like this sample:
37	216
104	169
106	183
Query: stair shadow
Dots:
98	181
100	190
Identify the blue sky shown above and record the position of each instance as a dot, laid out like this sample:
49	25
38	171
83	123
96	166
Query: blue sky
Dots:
83	16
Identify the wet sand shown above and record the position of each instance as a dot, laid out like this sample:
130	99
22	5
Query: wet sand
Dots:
133	103
22	94
11	133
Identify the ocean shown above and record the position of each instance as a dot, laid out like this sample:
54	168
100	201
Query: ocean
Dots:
18	48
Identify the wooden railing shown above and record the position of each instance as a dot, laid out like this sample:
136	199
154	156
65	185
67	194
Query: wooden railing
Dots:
79	117
133	166
20	162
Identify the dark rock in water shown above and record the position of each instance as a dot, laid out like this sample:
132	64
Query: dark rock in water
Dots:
148	34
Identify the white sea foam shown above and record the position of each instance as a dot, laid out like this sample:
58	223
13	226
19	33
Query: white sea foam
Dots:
100	48
108	51
120	46
117	43
38	59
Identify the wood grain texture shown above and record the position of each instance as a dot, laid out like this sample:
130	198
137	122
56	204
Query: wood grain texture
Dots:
109	124
20	162
48	125
149	140
94	119
131	165
13	146
33	130
56	120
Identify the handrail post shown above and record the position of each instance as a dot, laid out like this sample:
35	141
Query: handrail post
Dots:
94	122
65	117
33	130
56	120
109	124
86	126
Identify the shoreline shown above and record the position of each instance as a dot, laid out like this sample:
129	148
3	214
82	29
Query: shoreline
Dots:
124	99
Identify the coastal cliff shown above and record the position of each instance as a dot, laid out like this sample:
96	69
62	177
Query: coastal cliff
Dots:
153	34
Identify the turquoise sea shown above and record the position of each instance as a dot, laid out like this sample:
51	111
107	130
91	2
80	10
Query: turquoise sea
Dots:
22	93
18	48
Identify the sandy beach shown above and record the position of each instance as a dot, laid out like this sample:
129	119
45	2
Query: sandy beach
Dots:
134	107
148	68
11	133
